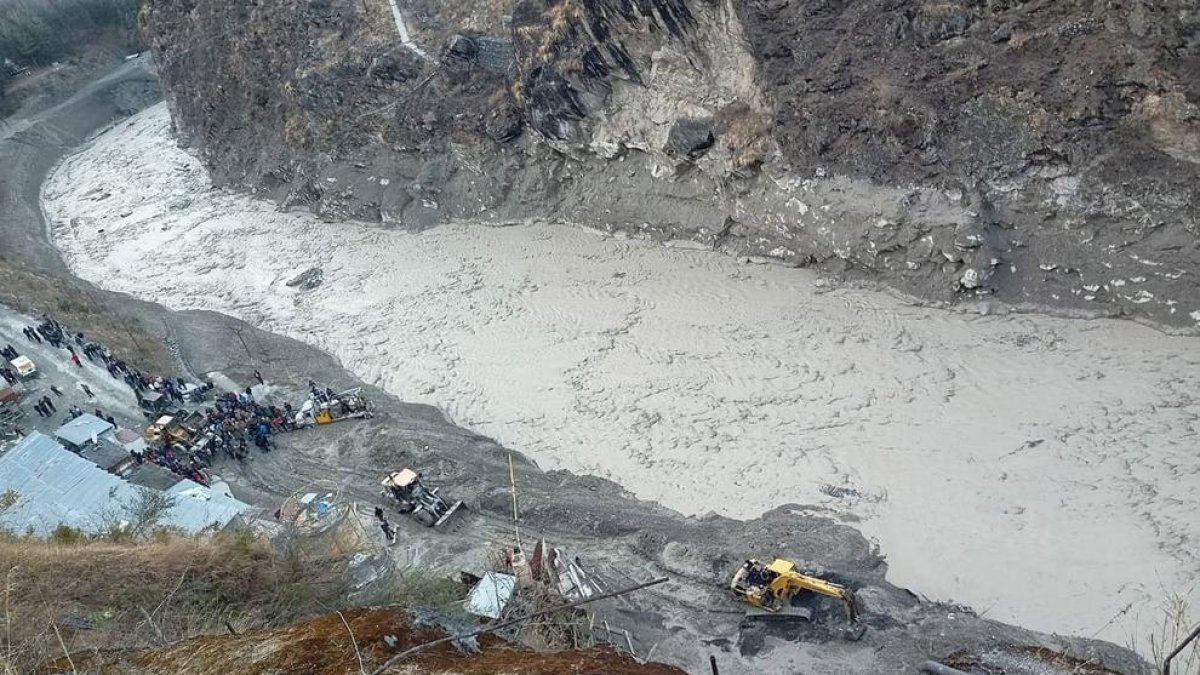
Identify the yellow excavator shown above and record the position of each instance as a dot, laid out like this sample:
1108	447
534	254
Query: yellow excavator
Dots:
770	589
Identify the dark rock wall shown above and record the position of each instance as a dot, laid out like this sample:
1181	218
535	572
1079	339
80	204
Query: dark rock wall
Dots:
1038	153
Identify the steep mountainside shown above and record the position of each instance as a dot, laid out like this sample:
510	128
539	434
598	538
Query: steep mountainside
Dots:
1041	152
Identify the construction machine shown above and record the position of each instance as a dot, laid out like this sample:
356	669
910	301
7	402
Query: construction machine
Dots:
179	427
330	408
424	503
771	590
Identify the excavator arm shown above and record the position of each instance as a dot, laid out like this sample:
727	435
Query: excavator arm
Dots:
769	590
796	582
788	582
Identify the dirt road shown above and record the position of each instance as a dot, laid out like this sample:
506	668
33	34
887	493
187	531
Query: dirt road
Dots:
681	622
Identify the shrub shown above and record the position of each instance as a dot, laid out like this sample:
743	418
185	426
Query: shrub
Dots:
418	587
65	534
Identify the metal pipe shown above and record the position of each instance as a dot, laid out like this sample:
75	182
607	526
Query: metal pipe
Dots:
1167	661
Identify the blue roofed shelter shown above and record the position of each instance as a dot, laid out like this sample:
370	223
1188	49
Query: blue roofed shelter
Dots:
82	431
44	485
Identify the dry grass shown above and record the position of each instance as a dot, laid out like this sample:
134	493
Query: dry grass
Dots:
747	139
354	641
546	40
1177	623
295	129
97	594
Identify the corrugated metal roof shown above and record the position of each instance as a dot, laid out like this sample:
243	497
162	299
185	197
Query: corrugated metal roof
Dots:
197	507
153	476
55	486
81	430
106	454
491	594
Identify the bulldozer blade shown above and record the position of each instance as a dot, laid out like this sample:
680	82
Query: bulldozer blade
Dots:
449	512
793	613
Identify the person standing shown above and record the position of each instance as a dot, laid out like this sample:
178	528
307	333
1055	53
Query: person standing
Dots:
87	390
56	390
258	376
387	530
75	358
49	405
379	514
40	409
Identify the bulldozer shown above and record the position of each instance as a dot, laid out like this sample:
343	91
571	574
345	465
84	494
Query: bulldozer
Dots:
770	591
424	503
347	405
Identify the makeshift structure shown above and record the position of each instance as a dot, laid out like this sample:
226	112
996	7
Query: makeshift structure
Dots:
83	431
51	486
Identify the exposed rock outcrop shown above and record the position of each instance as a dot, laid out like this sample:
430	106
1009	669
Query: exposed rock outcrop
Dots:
1039	153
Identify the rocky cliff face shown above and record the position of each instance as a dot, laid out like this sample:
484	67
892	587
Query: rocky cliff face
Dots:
1038	153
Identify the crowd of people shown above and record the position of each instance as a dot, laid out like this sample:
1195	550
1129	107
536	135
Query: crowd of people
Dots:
236	421
233	422
179	459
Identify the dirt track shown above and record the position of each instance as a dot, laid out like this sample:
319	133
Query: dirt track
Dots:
681	622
